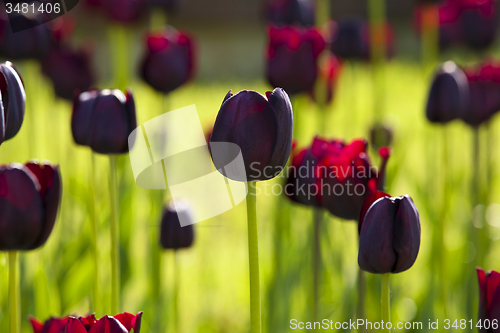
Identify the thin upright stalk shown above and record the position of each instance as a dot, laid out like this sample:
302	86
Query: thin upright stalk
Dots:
361	298
318	217
115	260
176	292
96	301
441	225
376	9
117	35
14	326
430	37
253	256
386	300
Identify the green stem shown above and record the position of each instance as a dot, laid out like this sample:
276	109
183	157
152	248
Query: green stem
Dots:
318	217
96	302
176	292
115	260
386	300
430	37
13	293
361	297
376	10
117	35
441	225
253	255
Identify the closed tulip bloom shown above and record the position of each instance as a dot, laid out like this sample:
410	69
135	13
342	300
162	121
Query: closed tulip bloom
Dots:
291	57
449	94
69	70
261	126
389	240
13	100
121	323
347	177
32	43
291	12
303	184
29	200
348	41
172	234
169	60
489	299
479	23
381	135
103	120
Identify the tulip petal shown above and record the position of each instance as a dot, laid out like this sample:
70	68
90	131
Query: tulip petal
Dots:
406	241
136	322
483	308
21	208
130	112
74	326
81	119
88	321
376	253
369	201
49	179
108	324
36	325
55	325
125	319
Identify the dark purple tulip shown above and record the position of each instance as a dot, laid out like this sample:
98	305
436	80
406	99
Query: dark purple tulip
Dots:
32	43
291	12
124	10
489	299
479	24
29	200
103	120
169	60
262	129
69	70
292	56
172	234
389	240
348	41
13	99
449	94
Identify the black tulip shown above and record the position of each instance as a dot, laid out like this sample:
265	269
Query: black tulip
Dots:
172	234
449	94
291	12
389	240
261	126
478	30
169	60
13	101
69	70
103	120
29	200
348	41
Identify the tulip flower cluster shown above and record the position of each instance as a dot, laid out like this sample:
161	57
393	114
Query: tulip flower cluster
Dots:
121	323
472	95
469	22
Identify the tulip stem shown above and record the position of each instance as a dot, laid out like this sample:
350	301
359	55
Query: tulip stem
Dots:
117	35
318	217
376	9
115	278
361	298
176	292
13	293
430	37
253	255
96	304
386	300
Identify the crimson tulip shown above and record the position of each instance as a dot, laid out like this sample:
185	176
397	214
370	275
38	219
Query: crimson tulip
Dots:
29	200
347	177
389	239
292	55
261	126
169	60
121	323
103	120
489	300
13	99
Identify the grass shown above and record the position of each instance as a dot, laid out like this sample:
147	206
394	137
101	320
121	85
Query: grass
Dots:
214	287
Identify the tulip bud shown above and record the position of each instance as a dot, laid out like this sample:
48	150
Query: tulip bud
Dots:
479	24
489	298
389	240
172	234
347	177
13	101
69	70
31	43
347	39
381	135
103	120
291	12
29	201
449	94
169	60
292	55
261	126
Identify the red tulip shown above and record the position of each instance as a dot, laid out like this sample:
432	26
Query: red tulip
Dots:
489	299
